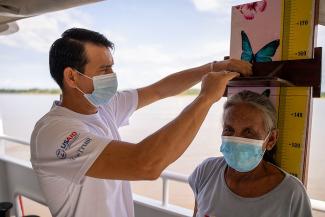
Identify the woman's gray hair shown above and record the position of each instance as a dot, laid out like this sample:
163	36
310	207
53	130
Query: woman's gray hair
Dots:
260	101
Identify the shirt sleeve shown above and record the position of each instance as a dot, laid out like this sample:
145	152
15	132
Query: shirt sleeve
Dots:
66	150
301	206
193	181
123	104
201	174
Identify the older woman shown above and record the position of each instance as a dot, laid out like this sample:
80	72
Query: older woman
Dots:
242	183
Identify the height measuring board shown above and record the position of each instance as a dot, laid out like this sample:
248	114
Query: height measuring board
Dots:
280	30
298	17
294	123
273	30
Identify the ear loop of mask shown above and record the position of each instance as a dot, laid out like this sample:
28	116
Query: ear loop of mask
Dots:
267	137
86	77
84	94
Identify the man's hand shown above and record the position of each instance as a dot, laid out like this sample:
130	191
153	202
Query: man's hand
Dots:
178	82
234	65
214	84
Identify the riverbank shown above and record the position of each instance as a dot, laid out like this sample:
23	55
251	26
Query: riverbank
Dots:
190	92
31	91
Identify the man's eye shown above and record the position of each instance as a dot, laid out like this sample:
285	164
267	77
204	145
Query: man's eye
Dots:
109	70
227	131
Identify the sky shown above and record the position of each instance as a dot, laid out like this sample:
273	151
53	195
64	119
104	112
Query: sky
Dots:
152	39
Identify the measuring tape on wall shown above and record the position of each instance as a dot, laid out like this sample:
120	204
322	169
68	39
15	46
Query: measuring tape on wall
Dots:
298	17
293	106
294	111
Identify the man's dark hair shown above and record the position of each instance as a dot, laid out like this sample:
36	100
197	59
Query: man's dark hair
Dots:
69	51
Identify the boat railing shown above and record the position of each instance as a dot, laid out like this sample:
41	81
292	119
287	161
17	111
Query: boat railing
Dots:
166	177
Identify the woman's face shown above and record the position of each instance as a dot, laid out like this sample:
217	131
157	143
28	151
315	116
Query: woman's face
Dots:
244	120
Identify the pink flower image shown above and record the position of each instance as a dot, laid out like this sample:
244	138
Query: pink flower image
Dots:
251	9
261	6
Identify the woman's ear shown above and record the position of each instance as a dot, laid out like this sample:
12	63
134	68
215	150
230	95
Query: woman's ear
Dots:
273	137
69	77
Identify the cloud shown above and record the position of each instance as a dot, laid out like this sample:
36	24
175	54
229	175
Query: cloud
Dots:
144	64
206	5
21	83
38	33
217	6
25	75
144	54
115	37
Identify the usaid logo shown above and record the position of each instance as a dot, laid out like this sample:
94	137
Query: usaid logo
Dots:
69	140
61	152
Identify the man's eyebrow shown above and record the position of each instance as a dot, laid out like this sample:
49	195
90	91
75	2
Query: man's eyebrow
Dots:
227	125
106	66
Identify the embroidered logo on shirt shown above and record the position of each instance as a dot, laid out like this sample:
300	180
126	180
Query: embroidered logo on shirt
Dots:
60	153
81	149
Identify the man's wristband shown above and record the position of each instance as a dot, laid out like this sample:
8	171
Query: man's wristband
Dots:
212	66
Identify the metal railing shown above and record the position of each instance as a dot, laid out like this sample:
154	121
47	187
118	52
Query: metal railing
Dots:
167	176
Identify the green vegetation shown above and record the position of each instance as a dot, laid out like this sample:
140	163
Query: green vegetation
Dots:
31	91
190	92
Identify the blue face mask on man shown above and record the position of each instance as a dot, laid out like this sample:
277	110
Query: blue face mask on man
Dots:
242	154
105	87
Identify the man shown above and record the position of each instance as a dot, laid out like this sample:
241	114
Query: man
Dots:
76	151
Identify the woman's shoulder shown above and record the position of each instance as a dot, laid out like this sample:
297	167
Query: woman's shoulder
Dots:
293	185
213	161
208	170
209	167
296	192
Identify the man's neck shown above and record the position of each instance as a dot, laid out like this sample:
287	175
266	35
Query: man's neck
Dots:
76	102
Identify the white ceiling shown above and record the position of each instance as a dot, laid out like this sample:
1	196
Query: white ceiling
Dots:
12	10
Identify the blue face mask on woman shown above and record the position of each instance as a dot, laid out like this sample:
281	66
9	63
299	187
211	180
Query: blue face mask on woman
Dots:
242	154
105	87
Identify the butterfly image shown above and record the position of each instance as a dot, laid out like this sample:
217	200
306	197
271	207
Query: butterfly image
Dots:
267	93
265	54
251	9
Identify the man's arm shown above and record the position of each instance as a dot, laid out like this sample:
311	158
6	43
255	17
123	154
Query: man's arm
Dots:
178	82
148	158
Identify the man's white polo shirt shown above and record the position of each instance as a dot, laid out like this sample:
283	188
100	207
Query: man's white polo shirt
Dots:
64	145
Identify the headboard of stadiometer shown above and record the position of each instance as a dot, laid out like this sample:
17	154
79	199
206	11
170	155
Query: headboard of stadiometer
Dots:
301	73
